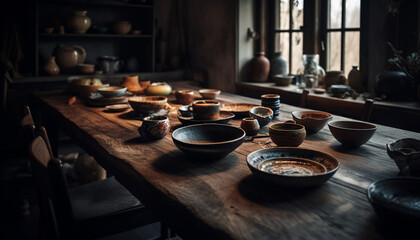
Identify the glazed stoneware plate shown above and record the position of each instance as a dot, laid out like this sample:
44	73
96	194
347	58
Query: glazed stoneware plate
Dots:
239	109
397	199
224	118
312	168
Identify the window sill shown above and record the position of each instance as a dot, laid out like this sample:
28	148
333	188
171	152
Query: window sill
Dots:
383	112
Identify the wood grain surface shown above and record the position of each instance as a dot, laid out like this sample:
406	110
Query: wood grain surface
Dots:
221	199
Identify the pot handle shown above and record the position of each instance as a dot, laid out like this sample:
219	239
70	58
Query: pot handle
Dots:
80	51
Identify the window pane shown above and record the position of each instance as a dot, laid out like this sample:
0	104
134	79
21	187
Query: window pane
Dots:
297	51
282	45
283	19
352	49
334	51
334	13
352	13
297	14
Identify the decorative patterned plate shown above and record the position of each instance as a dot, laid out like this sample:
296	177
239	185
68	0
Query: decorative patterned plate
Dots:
305	178
239	109
224	118
292	167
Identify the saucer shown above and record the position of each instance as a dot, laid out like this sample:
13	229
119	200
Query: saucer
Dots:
224	118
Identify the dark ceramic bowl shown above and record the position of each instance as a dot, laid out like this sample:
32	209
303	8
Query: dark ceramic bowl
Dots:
209	140
185	111
396	199
148	105
283	80
264	115
406	153
352	133
287	134
301	156
313	121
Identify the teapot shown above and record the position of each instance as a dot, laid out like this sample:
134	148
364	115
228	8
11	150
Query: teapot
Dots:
67	57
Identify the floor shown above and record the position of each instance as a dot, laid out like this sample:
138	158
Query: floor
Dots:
18	206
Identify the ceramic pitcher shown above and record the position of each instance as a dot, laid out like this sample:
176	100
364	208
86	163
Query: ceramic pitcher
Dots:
67	57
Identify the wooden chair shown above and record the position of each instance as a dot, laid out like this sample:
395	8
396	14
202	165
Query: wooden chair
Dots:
365	112
89	211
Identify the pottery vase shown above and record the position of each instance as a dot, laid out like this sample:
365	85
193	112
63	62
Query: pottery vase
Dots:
278	65
394	85
310	73
79	22
121	27
355	79
50	67
259	68
334	78
67	57
158	89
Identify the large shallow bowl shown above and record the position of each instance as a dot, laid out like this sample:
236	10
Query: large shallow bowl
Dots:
255	158
148	105
352	133
406	153
240	110
313	121
209	140
112	91
396	199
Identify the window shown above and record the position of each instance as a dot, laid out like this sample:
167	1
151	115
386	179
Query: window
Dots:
333	28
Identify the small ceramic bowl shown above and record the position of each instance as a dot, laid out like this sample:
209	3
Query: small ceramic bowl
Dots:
154	127
406	153
184	96
208	140
313	121
185	111
287	134
283	80
209	93
112	91
352	133
250	126
148	104
263	114
85	91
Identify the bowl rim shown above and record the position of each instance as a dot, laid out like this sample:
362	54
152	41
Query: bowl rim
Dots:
147	99
262	107
204	125
296	149
286	123
293	158
120	88
294	114
370	126
209	90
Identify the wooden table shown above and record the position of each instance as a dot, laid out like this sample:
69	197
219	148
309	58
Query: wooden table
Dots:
221	199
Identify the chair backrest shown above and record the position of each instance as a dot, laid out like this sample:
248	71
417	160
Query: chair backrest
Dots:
52	185
367	110
304	98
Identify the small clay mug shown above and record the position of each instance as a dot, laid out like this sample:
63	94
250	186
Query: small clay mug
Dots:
250	126
206	110
154	127
184	97
287	134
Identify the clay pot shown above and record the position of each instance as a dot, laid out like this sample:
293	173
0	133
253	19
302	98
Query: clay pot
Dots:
278	65
154	127
50	67
395	85
287	134
355	79
68	57
78	22
184	97
159	89
250	126
121	27
259	68
334	78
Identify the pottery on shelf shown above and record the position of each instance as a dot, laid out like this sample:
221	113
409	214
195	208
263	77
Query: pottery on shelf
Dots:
355	79
278	65
334	78
311	74
67	57
50	67
121	27
394	85
259	68
79	22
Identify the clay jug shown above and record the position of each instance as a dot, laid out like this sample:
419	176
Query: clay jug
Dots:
259	68
334	78
278	65
50	67
355	79
78	22
68	57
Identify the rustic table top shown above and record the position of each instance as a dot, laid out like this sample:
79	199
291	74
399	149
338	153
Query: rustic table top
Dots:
221	199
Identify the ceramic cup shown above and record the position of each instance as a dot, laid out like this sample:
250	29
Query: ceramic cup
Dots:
271	101
184	97
154	127
287	134
250	126
206	110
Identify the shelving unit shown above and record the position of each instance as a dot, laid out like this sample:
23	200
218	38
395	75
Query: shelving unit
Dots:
137	52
